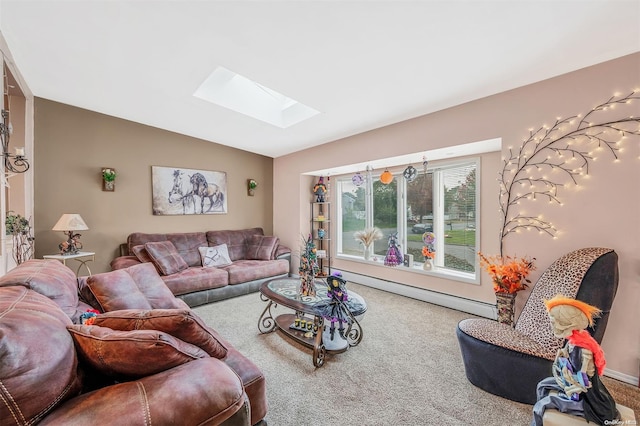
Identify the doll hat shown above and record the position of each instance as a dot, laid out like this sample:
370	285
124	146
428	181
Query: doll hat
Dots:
589	311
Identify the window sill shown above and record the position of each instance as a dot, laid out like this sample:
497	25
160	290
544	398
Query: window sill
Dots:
449	274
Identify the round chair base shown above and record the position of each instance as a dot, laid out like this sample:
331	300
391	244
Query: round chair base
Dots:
503	372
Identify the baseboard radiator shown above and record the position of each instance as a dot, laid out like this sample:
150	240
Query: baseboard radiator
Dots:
474	307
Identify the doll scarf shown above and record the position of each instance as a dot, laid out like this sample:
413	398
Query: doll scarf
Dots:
583	339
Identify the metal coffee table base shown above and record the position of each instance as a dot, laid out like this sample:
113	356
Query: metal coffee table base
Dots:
268	323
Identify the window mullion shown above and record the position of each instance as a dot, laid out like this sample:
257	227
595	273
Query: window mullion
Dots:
438	216
369	201
401	214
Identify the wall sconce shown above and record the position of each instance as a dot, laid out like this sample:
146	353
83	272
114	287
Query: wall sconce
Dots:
251	187
13	163
108	179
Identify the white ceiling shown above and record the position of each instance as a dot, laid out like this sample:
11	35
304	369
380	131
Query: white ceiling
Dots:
362	64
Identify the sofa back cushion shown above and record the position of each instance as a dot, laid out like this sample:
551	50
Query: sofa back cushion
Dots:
261	247
117	290
135	287
49	278
38	366
165	257
136	353
186	243
236	240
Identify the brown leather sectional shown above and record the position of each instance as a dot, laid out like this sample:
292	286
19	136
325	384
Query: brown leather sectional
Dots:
55	371
197	285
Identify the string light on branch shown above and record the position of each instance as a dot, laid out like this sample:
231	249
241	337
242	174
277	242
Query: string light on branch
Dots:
566	149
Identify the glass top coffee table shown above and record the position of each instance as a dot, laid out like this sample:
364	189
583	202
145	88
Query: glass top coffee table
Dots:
307	324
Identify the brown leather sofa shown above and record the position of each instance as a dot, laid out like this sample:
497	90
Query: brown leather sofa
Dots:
254	259
159	363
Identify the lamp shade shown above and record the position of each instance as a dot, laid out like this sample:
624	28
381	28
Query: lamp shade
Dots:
70	222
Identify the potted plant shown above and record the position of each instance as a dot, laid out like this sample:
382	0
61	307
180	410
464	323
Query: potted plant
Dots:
108	179
20	229
509	276
251	186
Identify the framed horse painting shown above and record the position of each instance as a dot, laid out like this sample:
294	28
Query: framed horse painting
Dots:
180	191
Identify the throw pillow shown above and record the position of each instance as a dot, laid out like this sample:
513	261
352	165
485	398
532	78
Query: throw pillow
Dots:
154	288
261	247
117	290
166	257
215	256
180	323
141	253
136	287
135	353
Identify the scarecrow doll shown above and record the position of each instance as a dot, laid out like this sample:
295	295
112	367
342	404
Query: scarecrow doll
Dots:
575	387
320	190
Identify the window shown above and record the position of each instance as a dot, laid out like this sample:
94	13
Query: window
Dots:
443	200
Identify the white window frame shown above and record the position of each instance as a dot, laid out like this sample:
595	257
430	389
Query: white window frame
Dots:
439	223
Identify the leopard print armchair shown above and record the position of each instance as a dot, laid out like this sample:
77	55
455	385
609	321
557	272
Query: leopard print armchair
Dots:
509	362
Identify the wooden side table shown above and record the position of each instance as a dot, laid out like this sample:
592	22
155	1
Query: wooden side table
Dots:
82	256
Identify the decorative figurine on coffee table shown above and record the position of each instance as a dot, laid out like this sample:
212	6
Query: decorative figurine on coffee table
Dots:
394	255
335	313
320	190
308	267
575	387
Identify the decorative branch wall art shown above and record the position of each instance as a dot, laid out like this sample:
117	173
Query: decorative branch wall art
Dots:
559	154
179	191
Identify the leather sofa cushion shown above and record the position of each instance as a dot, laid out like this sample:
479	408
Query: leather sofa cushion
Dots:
135	287
141	253
253	381
122	262
38	371
135	353
236	240
49	278
186	243
196	279
201	392
249	270
117	290
261	247
165	257
180	323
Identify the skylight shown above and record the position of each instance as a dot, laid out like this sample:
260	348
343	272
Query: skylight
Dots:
238	93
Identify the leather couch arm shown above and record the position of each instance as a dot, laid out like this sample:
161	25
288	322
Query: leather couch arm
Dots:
122	262
203	391
283	252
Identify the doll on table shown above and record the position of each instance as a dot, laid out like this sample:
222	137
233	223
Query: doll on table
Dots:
575	387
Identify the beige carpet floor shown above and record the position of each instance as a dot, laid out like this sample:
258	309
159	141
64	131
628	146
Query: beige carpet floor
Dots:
406	371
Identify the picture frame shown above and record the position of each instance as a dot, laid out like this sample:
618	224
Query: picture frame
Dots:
183	191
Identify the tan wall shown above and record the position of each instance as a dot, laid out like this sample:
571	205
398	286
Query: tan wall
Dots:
603	212
71	147
16	191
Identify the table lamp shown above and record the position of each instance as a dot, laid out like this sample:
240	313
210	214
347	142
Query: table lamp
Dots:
69	223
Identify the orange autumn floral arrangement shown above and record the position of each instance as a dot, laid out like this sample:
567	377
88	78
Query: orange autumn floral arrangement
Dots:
509	274
429	240
427	253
